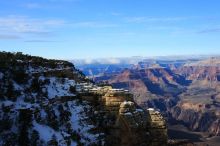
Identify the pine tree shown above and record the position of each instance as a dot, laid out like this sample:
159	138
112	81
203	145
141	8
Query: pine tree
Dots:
52	119
53	141
10	91
25	121
35	138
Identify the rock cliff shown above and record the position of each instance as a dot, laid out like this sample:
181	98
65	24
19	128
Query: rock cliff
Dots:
50	102
131	124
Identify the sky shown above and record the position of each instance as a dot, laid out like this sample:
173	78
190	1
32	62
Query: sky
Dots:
77	29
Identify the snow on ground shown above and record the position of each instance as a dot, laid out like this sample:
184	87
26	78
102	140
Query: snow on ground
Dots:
56	88
1	75
83	128
47	132
139	110
79	125
41	69
34	70
17	87
7	103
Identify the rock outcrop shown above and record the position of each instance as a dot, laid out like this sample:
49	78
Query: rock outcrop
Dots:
112	100
208	73
158	129
205	121
147	82
132	125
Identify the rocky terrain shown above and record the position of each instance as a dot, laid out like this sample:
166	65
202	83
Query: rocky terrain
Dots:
187	92
150	81
50	102
199	104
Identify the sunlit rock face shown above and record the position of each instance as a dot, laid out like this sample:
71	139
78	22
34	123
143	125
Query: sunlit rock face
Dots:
133	125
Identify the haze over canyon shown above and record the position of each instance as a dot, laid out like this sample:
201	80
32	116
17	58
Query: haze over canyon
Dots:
186	89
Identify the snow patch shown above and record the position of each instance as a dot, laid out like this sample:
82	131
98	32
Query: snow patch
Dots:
56	88
46	133
150	109
1	75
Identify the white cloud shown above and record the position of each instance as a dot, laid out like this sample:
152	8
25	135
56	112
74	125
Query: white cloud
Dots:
154	19
23	24
93	24
113	61
88	61
101	61
8	37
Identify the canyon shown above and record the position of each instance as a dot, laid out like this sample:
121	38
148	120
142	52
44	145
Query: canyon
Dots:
186	91
51	103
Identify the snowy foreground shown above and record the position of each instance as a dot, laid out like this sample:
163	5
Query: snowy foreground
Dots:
39	106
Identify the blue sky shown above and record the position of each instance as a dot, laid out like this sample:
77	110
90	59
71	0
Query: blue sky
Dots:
72	29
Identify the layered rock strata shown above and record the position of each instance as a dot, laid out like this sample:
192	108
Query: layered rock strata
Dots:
133	126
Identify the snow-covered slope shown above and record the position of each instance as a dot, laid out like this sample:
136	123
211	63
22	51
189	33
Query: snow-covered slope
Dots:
39	104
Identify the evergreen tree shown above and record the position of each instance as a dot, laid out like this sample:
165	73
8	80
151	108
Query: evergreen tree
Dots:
53	141
35	138
52	119
10	91
25	121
